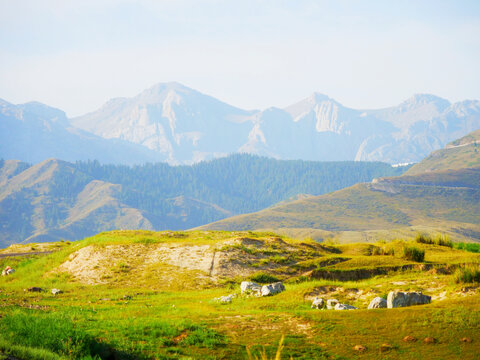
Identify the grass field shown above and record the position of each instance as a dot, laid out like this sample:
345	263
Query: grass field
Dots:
137	315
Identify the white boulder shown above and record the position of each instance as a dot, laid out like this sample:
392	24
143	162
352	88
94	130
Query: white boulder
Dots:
250	287
318	303
377	303
272	289
401	299
331	303
224	299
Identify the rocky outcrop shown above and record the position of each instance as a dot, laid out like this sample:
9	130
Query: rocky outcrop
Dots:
377	303
272	289
401	299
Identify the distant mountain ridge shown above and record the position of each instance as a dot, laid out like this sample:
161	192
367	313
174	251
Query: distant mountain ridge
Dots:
173	123
186	126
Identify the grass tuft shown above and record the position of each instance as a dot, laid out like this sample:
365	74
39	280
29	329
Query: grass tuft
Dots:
440	240
467	274
413	253
263	354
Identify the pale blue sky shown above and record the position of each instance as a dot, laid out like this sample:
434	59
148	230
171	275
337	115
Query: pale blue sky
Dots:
75	55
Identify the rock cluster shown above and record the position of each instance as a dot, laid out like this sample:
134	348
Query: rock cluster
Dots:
332	304
250	288
394	299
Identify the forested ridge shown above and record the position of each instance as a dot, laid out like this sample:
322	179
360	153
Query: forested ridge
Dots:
238	183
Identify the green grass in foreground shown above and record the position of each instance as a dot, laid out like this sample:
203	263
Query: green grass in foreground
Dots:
145	322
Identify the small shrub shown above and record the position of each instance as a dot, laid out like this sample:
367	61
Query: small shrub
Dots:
467	274
443	240
413	253
263	278
376	250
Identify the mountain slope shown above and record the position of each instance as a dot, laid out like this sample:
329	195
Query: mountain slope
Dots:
33	132
43	202
446	200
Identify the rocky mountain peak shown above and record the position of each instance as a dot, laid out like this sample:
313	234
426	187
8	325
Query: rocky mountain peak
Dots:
420	100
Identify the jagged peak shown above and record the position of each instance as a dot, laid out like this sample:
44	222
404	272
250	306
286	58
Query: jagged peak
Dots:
317	97
161	88
423	99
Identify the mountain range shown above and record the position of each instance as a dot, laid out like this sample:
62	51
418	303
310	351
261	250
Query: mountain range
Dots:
173	123
55	199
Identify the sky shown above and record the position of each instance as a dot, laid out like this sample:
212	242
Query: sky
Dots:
253	54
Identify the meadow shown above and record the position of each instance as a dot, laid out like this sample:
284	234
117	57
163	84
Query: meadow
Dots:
135	314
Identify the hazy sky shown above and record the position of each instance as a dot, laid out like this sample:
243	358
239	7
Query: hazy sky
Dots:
75	55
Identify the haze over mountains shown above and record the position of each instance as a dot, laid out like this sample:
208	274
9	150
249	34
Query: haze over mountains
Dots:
171	122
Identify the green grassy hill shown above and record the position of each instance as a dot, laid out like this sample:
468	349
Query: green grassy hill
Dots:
446	200
461	153
151	295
